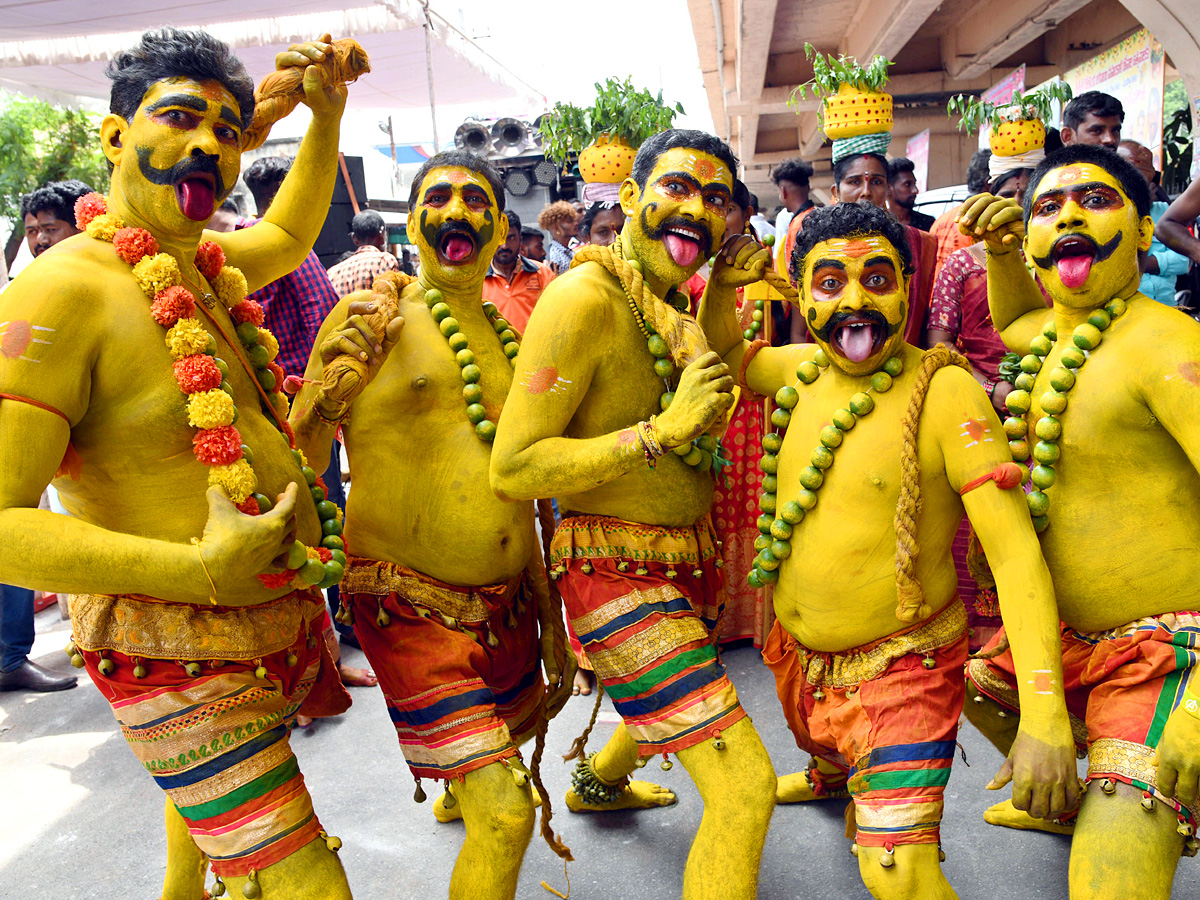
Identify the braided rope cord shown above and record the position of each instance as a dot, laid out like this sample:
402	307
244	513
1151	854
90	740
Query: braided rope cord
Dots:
912	606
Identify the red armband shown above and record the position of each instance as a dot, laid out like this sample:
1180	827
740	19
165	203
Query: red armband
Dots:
38	403
1006	475
747	358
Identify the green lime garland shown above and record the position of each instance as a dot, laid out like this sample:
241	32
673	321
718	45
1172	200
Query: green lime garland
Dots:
1048	429
777	522
485	428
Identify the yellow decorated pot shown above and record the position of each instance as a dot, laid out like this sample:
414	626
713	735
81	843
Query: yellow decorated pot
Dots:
609	161
852	112
1015	138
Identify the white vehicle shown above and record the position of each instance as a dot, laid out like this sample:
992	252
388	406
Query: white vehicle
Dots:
936	201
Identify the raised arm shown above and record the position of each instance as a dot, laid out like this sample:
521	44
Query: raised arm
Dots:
1018	308
531	457
1042	761
279	244
1172	228
740	261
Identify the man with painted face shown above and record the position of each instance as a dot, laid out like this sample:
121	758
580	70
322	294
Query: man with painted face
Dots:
1111	414
870	639
611	378
864	176
443	582
205	665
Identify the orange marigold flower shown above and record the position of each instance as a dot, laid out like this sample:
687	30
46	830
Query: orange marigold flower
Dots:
218	446
249	507
289	434
132	244
274	580
197	373
173	304
248	311
277	371
325	554
88	207
210	259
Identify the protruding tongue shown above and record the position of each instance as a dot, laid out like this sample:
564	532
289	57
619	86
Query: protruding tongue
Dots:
196	199
683	251
856	341
456	249
1073	271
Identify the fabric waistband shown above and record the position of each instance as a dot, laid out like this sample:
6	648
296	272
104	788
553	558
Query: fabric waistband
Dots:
847	668
600	537
470	604
141	626
1172	622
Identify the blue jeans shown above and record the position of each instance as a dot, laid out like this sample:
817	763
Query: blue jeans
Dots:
333	485
16	626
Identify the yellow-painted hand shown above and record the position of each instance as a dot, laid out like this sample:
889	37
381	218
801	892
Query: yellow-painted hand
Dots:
325	101
235	547
1043	774
740	261
998	221
560	676
1178	756
705	392
356	338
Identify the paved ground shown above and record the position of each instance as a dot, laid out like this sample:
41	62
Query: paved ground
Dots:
82	820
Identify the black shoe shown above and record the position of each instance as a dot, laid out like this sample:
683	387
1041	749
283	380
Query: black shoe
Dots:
29	676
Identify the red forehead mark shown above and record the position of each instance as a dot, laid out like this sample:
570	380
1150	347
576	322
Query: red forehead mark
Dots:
210	90
858	248
17	338
1043	683
976	428
1191	372
542	380
457	176
705	170
1071	174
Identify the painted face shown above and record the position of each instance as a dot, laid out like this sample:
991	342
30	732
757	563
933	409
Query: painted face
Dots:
180	155
1084	235
854	296
456	226
606	225
44	230
865	179
678	219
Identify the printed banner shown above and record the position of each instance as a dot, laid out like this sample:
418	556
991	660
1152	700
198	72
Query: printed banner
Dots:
998	95
917	150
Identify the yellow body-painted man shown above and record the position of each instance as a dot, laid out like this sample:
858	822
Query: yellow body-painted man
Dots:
94	388
869	644
435	580
634	555
1113	425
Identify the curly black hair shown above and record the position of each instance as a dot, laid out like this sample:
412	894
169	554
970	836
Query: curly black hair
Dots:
57	197
795	170
657	145
1132	182
172	53
848	220
465	160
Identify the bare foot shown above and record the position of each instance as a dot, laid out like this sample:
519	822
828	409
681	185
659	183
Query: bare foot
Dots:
1006	815
352	677
797	788
583	682
446	808
303	721
638	795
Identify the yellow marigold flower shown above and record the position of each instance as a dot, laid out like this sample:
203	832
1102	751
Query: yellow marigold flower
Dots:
303	458
210	409
237	479
268	341
103	227
312	553
185	337
157	273
338	511
279	401
230	286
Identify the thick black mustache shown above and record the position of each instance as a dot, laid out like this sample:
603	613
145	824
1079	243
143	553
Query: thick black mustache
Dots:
874	316
185	168
1102	251
655	233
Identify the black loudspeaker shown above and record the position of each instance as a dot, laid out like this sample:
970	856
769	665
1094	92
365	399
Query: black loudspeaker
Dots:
334	239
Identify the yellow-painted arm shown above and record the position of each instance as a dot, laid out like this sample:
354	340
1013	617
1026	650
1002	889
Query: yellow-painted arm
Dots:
1042	764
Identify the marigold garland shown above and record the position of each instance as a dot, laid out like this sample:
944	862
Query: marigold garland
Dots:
200	377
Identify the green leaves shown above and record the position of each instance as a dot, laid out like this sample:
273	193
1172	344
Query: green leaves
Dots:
40	142
830	73
620	110
1037	104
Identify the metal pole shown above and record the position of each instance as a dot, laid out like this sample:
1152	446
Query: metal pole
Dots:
429	71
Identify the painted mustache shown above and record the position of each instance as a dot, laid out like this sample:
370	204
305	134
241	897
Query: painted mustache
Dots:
1098	252
194	165
656	232
436	237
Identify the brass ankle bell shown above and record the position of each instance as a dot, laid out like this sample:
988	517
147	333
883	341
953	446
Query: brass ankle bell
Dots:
419	793
887	859
666	765
854	849
642	570
1148	803
106	666
218	889
928	662
1108	786
251	889
382	619
193	669
623	566
139	671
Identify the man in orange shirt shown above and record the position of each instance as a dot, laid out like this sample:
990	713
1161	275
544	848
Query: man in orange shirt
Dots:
513	281
945	226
